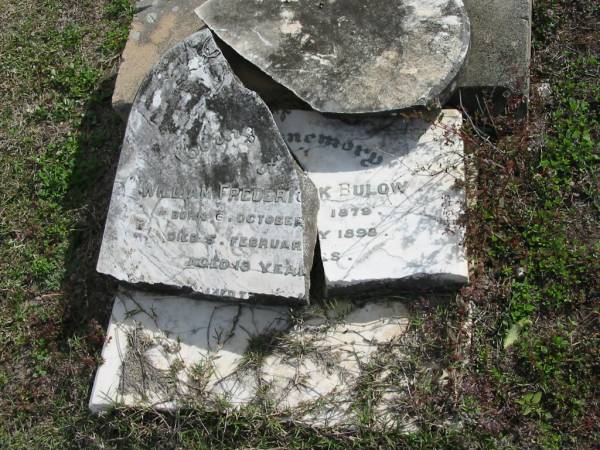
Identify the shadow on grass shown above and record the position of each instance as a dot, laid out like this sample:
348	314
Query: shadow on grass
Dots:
87	293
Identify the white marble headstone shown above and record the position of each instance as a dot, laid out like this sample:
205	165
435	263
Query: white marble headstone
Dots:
390	195
167	352
207	196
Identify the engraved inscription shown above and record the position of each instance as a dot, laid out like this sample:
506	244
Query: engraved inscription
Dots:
221	264
367	157
225	192
387	193
207	195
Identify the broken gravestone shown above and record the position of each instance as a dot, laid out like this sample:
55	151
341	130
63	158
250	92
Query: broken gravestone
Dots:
390	195
170	352
207	196
349	56
498	56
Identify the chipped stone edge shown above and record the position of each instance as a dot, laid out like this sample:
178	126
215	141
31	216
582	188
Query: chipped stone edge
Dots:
438	95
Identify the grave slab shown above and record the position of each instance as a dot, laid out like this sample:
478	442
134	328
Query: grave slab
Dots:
157	26
351	56
500	50
498	56
173	352
207	195
390	197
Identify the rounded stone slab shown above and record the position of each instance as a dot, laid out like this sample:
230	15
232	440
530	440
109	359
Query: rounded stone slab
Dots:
349	56
207	195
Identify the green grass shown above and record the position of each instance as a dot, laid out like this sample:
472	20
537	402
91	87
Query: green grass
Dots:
529	379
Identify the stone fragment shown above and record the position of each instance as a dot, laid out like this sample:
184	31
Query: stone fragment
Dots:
207	196
150	335
389	195
169	352
349	56
499	53
500	49
157	26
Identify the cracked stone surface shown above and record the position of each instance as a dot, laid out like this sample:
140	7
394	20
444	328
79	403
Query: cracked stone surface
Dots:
390	196
169	352
349	56
207	195
498	56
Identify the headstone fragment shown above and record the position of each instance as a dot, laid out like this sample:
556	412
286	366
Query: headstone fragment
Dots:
390	197
349	56
169	352
157	26
148	334
207	196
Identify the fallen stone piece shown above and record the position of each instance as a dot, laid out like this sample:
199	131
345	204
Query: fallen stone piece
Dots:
205	341
500	50
171	352
349	56
390	197
157	26
498	56
207	196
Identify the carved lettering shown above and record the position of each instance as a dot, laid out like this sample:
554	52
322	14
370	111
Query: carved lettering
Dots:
324	193
264	243
147	189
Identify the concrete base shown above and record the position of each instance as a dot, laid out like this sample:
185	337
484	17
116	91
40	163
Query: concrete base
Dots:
500	49
157	26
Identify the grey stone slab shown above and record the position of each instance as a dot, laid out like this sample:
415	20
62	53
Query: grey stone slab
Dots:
157	26
207	195
500	50
499	53
390	195
168	352
349	56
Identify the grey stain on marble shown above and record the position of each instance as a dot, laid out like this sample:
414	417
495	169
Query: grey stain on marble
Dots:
351	56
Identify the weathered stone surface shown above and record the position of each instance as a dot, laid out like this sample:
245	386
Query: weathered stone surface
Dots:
148	334
499	53
168	352
157	26
207	195
349	56
388	194
500	49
